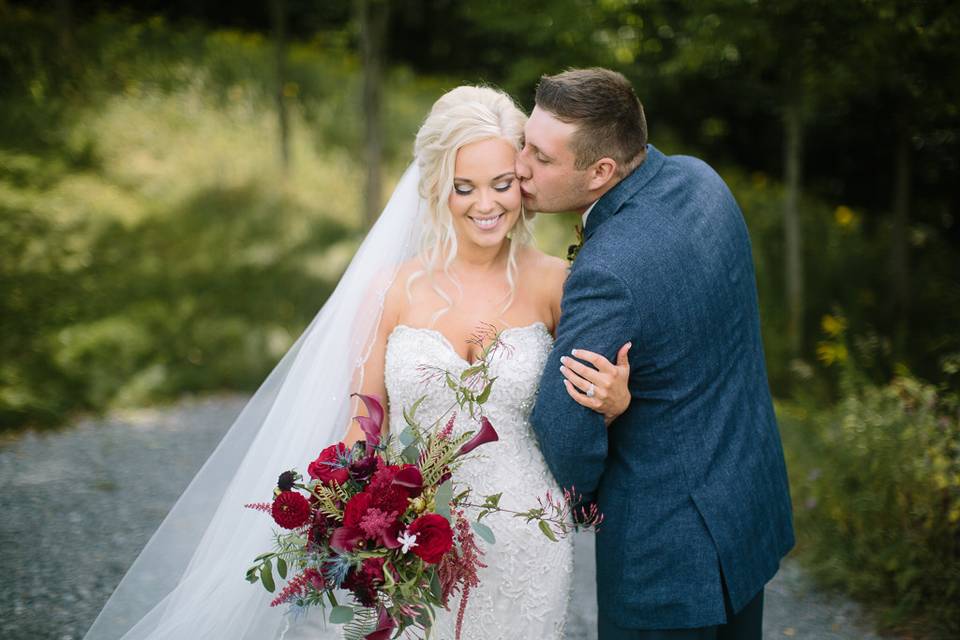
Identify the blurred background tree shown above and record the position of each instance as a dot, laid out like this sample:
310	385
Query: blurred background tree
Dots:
182	183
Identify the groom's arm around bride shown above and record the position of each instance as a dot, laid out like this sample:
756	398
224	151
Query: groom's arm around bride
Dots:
691	479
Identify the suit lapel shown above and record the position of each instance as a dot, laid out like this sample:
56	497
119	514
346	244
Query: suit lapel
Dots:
611	202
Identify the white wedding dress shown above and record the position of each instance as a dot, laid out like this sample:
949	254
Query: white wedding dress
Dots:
524	591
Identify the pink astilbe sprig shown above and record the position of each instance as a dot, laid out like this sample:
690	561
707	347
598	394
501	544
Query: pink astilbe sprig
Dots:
447	430
298	586
266	507
458	569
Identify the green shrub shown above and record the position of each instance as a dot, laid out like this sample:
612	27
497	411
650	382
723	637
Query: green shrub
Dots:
876	488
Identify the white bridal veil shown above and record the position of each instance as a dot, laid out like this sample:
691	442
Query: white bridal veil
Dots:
188	582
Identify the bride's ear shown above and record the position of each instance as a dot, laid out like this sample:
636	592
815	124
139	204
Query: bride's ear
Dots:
602	172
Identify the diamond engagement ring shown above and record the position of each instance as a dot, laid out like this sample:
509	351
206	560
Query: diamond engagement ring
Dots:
591	391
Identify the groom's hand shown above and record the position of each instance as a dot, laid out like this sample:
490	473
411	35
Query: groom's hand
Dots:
602	387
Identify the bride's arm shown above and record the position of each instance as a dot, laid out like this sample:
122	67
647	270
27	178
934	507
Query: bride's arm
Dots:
370	379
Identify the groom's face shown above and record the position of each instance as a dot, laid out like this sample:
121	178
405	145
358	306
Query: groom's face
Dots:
548	178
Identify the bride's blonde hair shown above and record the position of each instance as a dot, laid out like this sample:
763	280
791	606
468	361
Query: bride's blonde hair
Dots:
460	117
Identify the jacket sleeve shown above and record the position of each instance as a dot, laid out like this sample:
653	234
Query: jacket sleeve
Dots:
597	314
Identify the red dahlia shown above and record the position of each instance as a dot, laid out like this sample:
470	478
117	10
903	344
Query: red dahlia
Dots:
291	510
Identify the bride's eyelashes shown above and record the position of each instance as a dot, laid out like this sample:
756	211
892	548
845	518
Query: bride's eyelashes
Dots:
465	190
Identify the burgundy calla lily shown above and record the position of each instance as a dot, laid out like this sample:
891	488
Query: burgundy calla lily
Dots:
346	539
410	479
486	434
385	627
373	424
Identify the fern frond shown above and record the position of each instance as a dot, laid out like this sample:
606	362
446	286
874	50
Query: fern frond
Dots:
364	622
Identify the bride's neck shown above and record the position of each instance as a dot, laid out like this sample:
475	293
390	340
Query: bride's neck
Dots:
479	260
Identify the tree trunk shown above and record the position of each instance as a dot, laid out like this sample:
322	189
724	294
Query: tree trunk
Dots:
279	16
64	11
373	28
899	254
793	237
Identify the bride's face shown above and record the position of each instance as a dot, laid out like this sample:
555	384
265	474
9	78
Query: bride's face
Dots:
485	201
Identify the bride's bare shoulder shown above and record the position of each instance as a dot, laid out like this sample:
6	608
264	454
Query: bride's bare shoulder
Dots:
543	270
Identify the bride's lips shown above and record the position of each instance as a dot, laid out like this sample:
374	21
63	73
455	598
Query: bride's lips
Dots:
487	223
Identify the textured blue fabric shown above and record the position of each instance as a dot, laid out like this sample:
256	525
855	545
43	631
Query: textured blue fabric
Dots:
691	479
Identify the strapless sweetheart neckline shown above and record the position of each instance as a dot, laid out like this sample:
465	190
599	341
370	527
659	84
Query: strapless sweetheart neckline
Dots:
449	345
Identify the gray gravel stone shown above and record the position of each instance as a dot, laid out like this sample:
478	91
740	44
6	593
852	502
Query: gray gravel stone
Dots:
79	504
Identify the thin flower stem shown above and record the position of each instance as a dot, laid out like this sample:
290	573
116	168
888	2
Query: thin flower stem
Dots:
521	513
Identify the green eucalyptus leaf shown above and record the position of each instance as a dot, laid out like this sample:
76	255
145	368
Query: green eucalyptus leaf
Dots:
443	498
484	531
411	454
547	531
282	568
406	437
266	577
341	614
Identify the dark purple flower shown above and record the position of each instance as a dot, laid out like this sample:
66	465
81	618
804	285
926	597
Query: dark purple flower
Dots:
347	539
364	467
486	434
410	478
385	627
373	424
286	480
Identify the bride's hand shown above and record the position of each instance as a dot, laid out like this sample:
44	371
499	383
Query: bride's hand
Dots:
610	396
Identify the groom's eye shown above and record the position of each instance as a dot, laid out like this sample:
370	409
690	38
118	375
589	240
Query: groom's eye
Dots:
542	158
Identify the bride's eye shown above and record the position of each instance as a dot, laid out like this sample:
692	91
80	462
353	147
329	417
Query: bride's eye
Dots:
503	186
462	189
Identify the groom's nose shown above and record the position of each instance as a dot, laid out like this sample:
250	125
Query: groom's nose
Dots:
522	168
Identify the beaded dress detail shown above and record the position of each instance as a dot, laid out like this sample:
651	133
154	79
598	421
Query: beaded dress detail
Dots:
525	588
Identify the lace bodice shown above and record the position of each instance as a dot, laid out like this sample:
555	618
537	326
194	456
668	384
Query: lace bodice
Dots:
525	588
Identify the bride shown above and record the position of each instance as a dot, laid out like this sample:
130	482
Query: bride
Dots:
451	250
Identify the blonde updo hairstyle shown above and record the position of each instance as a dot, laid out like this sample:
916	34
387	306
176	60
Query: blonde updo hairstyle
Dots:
460	117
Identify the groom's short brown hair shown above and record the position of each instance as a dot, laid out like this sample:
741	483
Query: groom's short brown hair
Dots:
609	117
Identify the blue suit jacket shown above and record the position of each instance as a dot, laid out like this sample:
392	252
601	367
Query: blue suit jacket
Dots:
691	479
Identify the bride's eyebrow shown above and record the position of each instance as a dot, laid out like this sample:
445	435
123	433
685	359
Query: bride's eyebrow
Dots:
508	174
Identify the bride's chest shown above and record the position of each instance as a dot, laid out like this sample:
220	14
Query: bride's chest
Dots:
418	361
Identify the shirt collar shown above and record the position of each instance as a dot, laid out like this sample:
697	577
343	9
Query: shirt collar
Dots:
583	218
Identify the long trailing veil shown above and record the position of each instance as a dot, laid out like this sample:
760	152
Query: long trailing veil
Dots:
188	582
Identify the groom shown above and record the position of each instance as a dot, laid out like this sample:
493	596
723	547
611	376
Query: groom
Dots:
691	479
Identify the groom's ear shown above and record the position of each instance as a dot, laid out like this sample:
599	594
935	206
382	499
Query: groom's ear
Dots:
602	172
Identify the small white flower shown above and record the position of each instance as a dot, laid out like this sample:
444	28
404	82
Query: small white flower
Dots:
407	540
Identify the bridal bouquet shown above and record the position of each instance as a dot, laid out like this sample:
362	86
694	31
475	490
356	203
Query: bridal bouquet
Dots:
380	519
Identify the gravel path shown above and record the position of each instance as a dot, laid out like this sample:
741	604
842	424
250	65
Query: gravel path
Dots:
79	504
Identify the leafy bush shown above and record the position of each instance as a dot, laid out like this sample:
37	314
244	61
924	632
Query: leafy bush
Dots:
876	487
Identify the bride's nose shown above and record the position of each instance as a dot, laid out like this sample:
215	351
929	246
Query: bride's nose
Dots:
485	203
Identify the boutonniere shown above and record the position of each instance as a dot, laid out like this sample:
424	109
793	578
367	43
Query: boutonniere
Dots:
574	249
